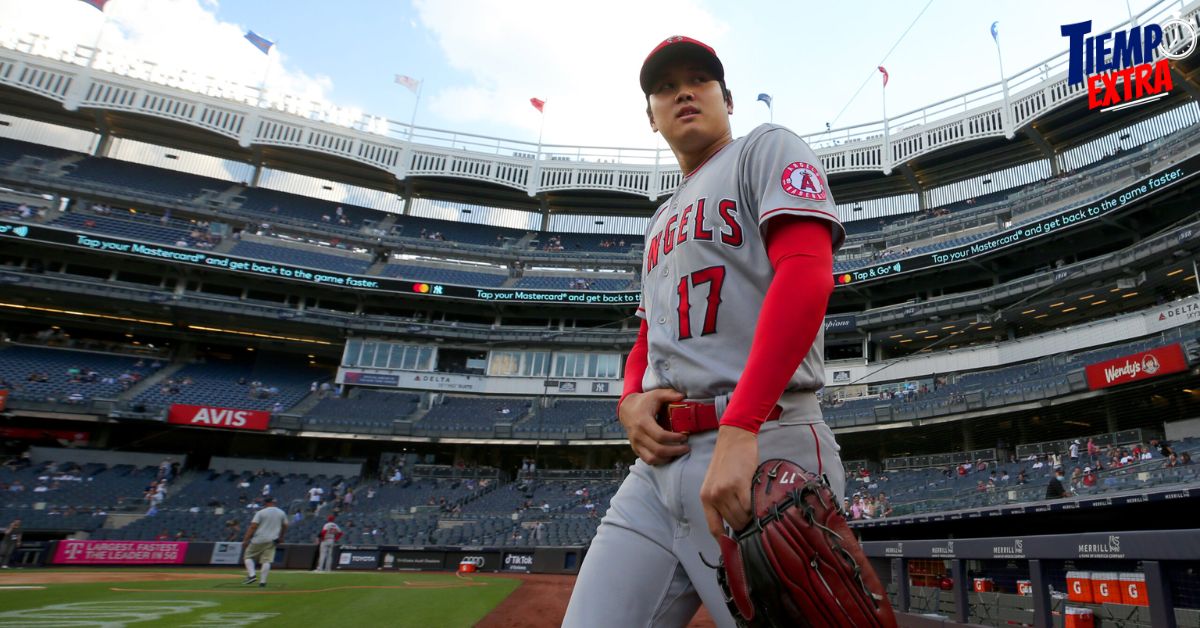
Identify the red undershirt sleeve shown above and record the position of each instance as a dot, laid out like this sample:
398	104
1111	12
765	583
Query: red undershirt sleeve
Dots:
635	365
801	252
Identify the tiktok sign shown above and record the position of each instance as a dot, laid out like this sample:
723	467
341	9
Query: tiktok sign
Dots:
1120	66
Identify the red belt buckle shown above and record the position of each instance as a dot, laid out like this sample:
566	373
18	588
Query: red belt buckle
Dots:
686	420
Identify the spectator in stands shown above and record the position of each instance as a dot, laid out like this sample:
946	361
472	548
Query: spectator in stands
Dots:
883	507
1093	450
1172	461
1089	477
1055	489
348	500
16	487
856	509
164	469
314	497
1076	478
233	532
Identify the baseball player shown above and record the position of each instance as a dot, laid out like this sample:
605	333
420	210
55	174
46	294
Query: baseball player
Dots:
736	275
330	533
266	530
10	542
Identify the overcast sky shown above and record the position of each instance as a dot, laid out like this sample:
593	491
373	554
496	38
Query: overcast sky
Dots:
481	60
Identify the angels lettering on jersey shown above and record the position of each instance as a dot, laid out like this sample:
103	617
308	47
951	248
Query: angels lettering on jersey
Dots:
694	224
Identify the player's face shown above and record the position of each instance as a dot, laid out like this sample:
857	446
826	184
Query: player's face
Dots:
688	107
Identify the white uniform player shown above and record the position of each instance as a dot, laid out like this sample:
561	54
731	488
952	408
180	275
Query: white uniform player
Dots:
265	532
705	278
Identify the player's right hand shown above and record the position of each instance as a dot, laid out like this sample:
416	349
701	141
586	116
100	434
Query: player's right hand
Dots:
651	443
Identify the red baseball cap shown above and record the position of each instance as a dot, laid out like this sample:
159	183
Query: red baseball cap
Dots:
674	48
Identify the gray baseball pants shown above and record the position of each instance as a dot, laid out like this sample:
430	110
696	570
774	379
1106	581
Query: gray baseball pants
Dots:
643	568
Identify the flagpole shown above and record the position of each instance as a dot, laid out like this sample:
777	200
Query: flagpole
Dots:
96	46
413	121
541	127
1004	119
885	158
262	86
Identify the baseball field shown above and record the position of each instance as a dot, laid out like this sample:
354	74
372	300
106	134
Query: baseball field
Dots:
112	598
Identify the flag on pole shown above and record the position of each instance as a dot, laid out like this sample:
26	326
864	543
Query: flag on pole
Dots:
996	32
538	104
883	70
97	4
765	98
411	83
262	43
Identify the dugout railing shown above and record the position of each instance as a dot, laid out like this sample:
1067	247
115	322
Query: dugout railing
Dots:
1128	578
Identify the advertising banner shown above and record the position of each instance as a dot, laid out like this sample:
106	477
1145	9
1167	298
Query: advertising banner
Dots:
226	554
1131	368
211	416
120	553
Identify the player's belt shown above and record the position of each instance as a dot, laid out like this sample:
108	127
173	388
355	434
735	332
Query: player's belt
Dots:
693	417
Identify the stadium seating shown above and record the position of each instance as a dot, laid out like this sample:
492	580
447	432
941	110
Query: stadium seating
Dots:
536	282
473	414
13	150
143	231
168	184
18	364
299	257
444	275
230	385
366	411
589	243
315	211
66	489
566	416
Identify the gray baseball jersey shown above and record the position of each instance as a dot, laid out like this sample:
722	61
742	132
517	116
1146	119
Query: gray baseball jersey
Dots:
706	272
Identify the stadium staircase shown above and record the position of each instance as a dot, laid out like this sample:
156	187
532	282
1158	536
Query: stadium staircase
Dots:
510	282
386	223
225	246
377	267
118	520
227	198
51	169
307	404
155	379
523	243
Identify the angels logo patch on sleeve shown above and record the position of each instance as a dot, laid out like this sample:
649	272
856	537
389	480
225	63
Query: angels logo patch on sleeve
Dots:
803	180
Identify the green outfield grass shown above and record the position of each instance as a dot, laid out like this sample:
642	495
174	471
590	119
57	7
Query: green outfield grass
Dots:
293	599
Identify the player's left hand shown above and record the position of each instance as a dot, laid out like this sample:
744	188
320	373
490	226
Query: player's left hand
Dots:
725	493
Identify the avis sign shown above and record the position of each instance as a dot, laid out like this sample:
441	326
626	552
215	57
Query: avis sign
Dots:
212	416
1131	368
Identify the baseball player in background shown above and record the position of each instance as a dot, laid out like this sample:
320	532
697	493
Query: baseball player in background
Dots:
265	532
736	276
330	533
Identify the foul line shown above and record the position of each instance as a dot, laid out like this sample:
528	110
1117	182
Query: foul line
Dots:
407	585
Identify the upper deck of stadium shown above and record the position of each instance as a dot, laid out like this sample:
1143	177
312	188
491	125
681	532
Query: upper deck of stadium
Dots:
1033	117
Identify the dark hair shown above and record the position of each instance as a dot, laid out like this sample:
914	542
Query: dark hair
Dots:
726	95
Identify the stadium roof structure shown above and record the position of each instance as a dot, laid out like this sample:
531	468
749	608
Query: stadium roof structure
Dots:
1033	115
